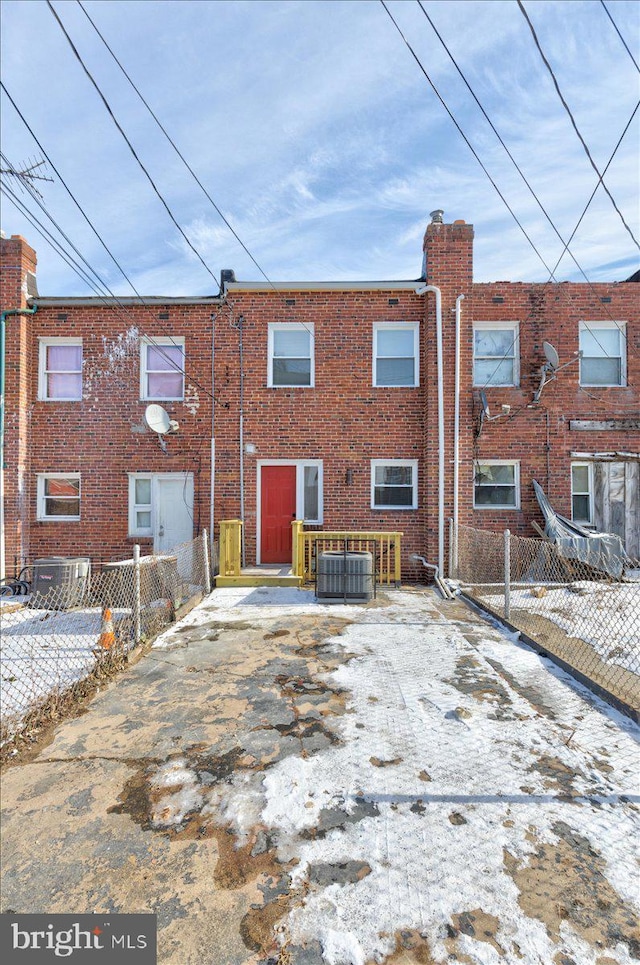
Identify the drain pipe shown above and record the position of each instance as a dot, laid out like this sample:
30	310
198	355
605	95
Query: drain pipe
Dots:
3	317
421	291
442	586
456	442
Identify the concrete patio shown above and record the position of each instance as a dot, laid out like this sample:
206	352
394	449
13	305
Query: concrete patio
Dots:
284	782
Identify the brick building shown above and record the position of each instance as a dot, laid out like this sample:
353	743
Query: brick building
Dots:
317	400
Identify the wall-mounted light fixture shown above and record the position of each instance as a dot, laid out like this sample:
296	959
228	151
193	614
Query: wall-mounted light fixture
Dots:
348	477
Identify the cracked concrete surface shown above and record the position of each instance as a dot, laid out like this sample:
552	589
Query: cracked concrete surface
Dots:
254	779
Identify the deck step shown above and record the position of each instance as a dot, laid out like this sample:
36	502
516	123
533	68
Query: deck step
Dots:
254	579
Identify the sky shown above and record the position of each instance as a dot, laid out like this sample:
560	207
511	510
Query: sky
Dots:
319	138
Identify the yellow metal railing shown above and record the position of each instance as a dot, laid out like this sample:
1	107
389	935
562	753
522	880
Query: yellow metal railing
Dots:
385	548
230	547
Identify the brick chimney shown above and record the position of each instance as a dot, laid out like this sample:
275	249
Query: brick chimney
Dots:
17	285
17	273
448	254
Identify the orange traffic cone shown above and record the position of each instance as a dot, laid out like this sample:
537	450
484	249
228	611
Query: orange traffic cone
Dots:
107	637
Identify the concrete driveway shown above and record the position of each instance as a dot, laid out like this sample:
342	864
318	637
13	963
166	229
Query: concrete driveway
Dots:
295	784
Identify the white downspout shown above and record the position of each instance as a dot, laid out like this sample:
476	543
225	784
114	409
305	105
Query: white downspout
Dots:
456	441
421	291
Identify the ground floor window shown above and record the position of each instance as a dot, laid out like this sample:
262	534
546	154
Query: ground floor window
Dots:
58	496
394	483
582	492
496	485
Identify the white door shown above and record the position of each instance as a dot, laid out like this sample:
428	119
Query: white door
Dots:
173	515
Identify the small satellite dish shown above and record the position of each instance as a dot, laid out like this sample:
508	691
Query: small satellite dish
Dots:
485	404
157	419
551	355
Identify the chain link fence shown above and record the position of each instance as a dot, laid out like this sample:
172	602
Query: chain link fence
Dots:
76	627
574	610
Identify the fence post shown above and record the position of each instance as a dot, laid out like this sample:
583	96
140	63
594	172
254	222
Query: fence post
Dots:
507	575
207	567
136	594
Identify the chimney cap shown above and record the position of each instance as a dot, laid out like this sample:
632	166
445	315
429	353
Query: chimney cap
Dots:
227	276
436	216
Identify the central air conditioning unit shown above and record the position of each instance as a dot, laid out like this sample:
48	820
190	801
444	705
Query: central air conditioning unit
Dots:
60	582
345	577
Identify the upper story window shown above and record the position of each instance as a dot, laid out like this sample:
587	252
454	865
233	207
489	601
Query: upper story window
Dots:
60	369
58	496
497	485
291	351
162	369
394	483
495	353
395	354
604	353
582	492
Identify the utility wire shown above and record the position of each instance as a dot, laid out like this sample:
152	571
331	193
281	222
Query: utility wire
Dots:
463	135
177	149
120	309
129	144
566	248
573	122
615	27
124	312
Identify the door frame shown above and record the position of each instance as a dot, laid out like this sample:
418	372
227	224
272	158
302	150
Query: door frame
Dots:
187	479
300	466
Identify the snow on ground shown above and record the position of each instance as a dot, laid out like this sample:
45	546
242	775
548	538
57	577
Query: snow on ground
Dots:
44	652
459	747
604	615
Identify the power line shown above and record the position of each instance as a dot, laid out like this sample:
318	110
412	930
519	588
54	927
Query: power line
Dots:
573	122
531	190
615	27
176	148
463	135
129	144
124	313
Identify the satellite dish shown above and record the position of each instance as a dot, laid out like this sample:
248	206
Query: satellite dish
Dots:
551	355
157	419
485	404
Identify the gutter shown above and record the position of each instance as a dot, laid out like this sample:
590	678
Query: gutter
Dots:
3	318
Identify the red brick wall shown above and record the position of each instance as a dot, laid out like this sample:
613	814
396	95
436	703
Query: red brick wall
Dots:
17	258
344	420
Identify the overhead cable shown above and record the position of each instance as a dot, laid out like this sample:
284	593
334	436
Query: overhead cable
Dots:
129	144
573	122
615	27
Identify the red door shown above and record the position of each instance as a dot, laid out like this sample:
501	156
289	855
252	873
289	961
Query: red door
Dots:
278	507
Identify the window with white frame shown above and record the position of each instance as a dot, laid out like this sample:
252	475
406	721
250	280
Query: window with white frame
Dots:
140	504
582	492
58	496
496	485
60	369
291	355
604	353
496	353
162	369
394	483
395	354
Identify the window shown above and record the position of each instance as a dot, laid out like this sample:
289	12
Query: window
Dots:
140	523
581	492
395	354
58	496
291	362
394	483
162	369
604	353
495	353
496	485
60	370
